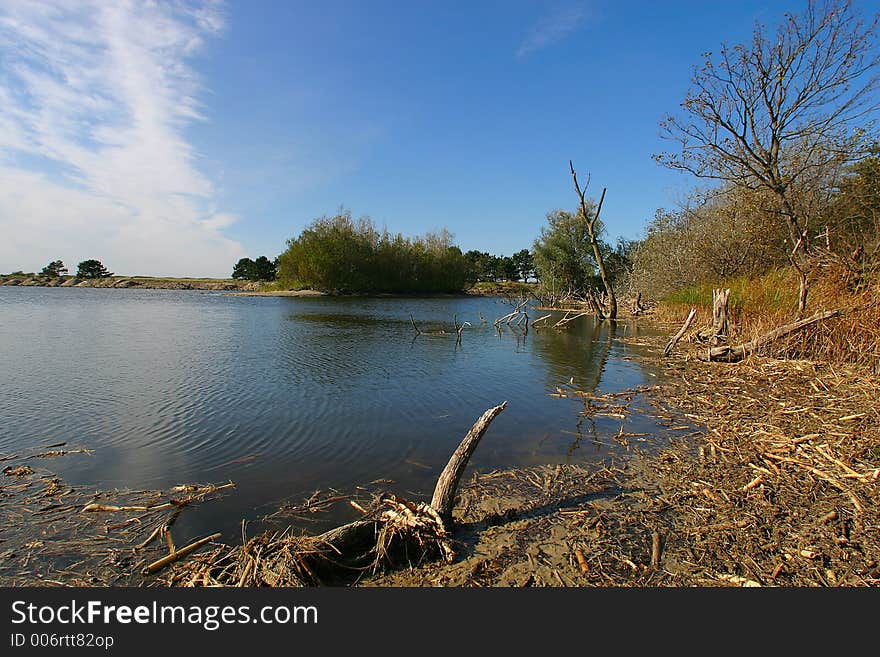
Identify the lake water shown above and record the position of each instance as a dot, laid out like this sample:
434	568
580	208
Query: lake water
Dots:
285	396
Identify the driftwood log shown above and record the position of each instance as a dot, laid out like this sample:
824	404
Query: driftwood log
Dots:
684	327
355	543
447	484
728	354
392	533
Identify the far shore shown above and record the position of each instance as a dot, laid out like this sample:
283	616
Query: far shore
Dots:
242	288
279	293
128	282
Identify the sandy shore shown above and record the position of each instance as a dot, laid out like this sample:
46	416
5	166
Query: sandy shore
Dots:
778	486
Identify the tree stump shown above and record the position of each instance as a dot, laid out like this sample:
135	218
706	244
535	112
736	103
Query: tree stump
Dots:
720	322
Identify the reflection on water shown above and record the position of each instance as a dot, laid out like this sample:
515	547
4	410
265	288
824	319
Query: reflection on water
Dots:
285	396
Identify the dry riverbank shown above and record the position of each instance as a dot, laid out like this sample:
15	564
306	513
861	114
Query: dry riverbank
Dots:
780	486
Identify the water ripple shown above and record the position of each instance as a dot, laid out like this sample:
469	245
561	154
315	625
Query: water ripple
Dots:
284	395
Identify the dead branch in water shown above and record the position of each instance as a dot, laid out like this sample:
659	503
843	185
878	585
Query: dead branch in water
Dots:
516	314
460	329
592	230
541	319
566	319
177	554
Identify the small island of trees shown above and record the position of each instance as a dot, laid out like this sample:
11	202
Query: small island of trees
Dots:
341	255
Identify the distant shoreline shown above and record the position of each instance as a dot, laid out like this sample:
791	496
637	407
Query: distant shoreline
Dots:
236	288
279	293
129	282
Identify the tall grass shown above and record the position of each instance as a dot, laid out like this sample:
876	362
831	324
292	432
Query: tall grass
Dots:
757	305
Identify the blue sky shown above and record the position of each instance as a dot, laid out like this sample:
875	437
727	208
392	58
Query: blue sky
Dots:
172	138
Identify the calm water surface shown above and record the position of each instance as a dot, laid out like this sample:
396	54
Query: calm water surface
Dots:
284	396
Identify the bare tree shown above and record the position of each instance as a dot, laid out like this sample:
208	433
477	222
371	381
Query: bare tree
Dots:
779	112
592	230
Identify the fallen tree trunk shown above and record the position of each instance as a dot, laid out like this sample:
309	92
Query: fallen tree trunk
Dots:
728	354
684	327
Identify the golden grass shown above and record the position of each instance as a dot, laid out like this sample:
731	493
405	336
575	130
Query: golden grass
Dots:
760	304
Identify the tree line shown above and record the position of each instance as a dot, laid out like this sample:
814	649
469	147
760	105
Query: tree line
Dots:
86	269
484	267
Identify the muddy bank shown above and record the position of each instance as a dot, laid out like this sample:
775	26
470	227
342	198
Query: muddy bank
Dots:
781	487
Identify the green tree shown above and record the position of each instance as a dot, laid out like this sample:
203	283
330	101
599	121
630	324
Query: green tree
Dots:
509	270
619	261
338	254
261	269
525	264
494	268
852	220
244	269
265	269
479	266
54	269
92	269
563	254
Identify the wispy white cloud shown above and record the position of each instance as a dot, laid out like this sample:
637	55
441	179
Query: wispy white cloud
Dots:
553	27
94	161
